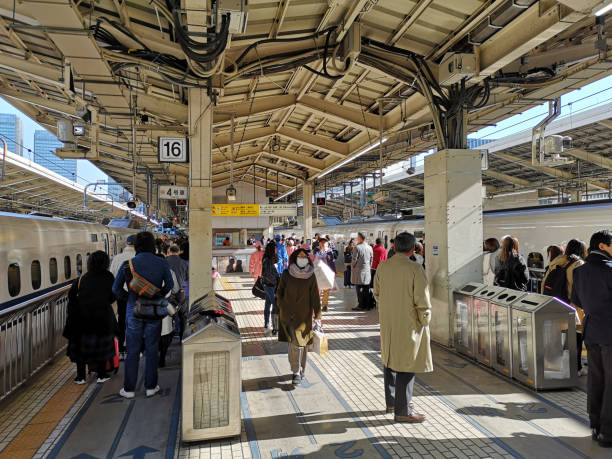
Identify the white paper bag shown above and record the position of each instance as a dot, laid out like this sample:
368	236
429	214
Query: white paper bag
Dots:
325	276
319	343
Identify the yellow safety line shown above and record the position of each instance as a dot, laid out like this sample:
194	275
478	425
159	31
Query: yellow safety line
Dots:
227	286
35	432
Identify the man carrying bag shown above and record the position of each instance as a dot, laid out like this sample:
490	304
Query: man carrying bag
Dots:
149	279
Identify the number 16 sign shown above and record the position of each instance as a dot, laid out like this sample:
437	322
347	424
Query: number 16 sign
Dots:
173	149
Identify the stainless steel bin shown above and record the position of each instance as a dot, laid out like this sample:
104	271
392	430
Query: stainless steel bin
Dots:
463	339
543	342
480	313
211	383
500	329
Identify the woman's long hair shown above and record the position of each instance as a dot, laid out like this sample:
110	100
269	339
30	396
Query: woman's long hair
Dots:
509	245
294	256
271	252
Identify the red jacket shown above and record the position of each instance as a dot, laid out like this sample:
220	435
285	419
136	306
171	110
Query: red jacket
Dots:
380	254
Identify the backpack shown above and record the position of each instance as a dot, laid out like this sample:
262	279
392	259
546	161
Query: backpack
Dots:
556	282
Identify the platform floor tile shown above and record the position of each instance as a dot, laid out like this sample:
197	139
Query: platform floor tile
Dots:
340	412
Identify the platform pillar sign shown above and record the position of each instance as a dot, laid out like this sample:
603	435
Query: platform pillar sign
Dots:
200	193
453	231
307	206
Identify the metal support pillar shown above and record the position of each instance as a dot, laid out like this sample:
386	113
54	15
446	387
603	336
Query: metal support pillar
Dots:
307	206
200	193
453	231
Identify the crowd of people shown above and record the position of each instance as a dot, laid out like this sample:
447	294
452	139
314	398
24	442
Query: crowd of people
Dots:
149	280
582	277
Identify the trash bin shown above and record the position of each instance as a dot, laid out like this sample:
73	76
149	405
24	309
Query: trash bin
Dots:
482	332
544	342
463	339
500	329
211	381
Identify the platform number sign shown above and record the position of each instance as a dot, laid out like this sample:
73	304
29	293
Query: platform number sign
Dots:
173	149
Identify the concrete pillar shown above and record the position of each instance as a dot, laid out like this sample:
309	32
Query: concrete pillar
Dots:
576	195
200	193
307	205
243	236
453	231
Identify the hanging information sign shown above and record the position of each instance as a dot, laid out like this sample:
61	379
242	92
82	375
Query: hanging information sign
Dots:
277	210
172	192
235	210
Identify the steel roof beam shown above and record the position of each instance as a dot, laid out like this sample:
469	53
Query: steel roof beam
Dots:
530	29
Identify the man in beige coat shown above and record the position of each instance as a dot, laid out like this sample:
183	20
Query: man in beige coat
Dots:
400	289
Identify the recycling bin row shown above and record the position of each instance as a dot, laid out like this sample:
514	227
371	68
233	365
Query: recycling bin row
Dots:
525	336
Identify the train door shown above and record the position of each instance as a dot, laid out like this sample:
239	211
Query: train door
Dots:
385	238
106	244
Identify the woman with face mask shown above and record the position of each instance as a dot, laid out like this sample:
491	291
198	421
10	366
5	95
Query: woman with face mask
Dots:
298	300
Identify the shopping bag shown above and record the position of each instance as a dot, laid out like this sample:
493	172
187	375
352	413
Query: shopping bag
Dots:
113	364
258	289
326	278
319	342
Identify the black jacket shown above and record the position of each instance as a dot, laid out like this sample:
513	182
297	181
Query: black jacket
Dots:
269	273
513	273
592	291
90	310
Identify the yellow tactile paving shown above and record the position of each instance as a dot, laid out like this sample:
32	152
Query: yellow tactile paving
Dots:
32	436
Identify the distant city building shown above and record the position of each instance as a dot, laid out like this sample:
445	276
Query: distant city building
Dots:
475	143
11	130
118	193
45	144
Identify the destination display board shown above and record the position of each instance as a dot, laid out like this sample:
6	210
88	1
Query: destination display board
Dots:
254	210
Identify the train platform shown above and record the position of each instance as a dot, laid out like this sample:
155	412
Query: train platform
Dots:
338	411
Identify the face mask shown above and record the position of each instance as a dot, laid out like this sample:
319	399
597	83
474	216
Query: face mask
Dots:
302	262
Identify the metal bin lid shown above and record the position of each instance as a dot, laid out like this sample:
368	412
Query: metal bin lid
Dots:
489	291
507	296
535	302
470	288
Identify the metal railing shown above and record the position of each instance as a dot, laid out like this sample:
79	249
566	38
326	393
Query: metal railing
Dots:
30	336
536	275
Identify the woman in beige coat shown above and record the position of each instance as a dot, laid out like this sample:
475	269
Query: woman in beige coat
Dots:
297	297
400	289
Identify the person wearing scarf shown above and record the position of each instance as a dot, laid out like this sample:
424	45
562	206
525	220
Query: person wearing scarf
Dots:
298	301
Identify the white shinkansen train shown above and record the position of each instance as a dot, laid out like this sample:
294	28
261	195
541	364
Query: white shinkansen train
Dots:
535	227
41	254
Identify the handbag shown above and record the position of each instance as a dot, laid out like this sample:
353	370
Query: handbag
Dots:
150	309
258	289
140	285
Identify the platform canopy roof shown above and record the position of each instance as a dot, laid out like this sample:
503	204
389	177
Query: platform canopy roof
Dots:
301	111
27	187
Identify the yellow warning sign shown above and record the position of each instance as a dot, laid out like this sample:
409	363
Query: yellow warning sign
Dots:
235	210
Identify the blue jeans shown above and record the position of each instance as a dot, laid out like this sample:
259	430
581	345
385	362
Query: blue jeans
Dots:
270	303
137	329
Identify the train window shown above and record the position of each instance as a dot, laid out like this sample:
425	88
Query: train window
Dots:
53	270
386	241
79	264
67	268
94	237
35	274
114	244
14	279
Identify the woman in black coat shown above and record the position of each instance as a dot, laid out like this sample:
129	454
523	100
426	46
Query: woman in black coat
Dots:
91	326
